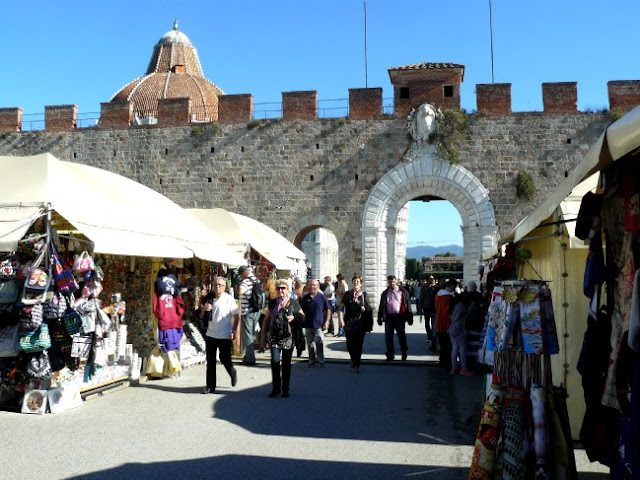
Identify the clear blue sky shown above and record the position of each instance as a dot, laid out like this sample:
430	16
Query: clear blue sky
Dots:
81	53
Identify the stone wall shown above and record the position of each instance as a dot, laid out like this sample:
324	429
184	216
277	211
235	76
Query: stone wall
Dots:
320	171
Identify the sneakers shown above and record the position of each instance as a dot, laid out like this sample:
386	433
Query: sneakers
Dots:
206	390
341	332
454	371
464	371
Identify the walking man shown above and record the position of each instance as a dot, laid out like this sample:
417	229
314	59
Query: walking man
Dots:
317	313
329	290
394	312
250	317
217	311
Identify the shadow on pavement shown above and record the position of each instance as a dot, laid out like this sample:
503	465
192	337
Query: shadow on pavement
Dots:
232	467
383	403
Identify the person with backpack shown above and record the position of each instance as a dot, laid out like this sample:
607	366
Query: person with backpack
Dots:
317	311
252	300
282	329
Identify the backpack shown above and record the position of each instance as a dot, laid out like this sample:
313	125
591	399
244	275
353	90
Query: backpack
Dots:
280	328
257	298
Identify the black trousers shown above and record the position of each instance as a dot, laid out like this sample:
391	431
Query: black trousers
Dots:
445	350
355	341
213	345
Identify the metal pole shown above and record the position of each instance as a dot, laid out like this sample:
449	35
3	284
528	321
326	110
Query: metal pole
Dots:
366	72
491	34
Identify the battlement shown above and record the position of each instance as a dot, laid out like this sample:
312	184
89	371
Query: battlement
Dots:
363	104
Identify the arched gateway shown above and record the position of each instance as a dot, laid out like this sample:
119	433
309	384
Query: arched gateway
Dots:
423	175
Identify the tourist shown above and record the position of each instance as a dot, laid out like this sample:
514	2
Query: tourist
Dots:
358	320
394	311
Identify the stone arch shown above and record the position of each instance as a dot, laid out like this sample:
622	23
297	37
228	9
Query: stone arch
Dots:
424	175
303	225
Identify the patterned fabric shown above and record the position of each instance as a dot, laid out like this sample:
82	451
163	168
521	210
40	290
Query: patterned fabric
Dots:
484	451
512	435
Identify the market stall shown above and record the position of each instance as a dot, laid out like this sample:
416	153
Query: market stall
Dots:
54	213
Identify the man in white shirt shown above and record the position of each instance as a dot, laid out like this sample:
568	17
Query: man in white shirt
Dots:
219	309
329	291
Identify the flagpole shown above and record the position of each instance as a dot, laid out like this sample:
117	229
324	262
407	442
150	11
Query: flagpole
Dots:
366	72
491	34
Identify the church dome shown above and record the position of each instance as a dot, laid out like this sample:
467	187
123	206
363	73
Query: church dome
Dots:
174	71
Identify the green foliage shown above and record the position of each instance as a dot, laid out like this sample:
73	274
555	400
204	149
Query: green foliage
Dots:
197	132
214	129
412	268
253	124
525	188
446	254
451	130
615	114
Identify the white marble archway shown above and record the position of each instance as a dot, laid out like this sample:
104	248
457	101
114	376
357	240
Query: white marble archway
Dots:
424	175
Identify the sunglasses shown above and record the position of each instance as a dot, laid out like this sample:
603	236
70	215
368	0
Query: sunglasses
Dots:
281	288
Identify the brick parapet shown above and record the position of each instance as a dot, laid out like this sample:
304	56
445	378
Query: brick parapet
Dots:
560	97
10	119
623	94
300	105
493	98
60	118
173	112
235	108
116	114
365	103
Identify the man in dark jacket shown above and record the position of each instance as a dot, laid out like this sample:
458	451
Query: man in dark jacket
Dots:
394	311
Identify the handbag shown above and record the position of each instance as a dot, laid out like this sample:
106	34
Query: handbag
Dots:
65	281
72	321
9	291
55	307
38	366
83	263
9	341
35	340
81	346
38	280
8	268
31	317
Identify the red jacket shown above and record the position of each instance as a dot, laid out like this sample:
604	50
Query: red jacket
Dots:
169	310
443	310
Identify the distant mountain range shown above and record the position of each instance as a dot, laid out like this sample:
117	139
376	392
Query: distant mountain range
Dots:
429	251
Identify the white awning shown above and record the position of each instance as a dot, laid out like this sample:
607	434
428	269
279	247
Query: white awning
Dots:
240	232
118	214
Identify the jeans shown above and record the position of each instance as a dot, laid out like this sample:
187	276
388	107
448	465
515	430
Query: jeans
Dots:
391	324
281	357
459	349
315	343
213	345
248	330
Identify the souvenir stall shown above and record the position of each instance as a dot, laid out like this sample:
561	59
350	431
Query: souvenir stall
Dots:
610	358
524	428
122	236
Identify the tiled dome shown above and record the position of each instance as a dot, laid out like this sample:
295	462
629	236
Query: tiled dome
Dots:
174	71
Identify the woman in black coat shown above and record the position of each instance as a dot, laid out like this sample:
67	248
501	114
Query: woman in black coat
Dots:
358	320
282	311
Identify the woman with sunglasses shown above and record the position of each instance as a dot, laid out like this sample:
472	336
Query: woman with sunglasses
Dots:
281	309
358	320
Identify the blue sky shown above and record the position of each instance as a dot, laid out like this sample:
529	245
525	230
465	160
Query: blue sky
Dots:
81	53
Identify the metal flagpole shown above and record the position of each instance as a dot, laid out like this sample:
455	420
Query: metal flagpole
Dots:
366	73
491	34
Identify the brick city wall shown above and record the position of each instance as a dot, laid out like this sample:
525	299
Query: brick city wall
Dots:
280	171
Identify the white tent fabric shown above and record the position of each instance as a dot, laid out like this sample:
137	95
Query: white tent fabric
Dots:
241	232
119	215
